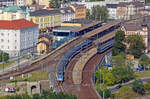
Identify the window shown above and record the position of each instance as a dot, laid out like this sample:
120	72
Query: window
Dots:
2	34
2	46
8	40
8	47
15	47
15	34
15	40
2	40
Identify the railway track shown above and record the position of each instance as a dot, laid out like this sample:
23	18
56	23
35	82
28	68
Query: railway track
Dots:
44	61
86	89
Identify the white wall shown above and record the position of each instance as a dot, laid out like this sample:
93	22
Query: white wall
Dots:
18	41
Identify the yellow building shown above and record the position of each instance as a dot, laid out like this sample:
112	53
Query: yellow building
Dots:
44	43
46	18
13	13
80	11
40	2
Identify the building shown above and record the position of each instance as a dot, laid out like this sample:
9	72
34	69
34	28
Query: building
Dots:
64	32
89	5
20	2
14	13
139	28
76	22
6	3
67	14
18	37
112	8
80	10
40	2
128	10
44	43
46	18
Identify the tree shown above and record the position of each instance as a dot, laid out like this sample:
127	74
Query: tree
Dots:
98	13
107	93
33	2
144	60
137	45
121	71
88	14
36	96
54	3
119	45
138	87
4	56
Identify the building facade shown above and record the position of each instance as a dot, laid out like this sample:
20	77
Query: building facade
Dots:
112	8
44	43
6	3
138	28
18	37
128	10
14	13
20	2
46	18
67	14
80	10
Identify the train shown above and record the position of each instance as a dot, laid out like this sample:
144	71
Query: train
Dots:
68	56
103	46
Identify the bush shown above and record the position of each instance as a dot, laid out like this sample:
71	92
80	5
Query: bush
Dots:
138	87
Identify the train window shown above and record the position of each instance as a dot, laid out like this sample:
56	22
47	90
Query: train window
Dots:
59	73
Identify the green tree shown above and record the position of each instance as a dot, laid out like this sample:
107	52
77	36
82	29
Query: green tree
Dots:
107	93
137	45
98	13
54	3
36	96
4	56
122	70
138	87
119	45
144	60
33	2
88	15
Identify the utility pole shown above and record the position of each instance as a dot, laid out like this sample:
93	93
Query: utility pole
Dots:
18	60
3	60
103	86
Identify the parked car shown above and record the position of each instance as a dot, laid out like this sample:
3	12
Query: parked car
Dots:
119	86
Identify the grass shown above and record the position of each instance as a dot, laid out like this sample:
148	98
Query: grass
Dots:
7	64
141	74
35	76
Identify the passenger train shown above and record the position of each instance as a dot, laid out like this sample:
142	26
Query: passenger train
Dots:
103	46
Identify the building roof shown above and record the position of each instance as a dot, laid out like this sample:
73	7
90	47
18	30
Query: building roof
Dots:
16	24
44	12
66	28
11	9
134	26
81	21
78	6
111	5
135	3
66	10
46	35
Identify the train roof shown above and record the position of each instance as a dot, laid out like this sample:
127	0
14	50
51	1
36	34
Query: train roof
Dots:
104	27
87	26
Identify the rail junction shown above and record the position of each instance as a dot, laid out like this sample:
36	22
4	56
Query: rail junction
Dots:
81	86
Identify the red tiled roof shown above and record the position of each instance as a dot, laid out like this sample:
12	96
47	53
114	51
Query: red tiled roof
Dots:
16	24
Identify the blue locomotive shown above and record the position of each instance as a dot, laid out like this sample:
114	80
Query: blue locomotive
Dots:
68	56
